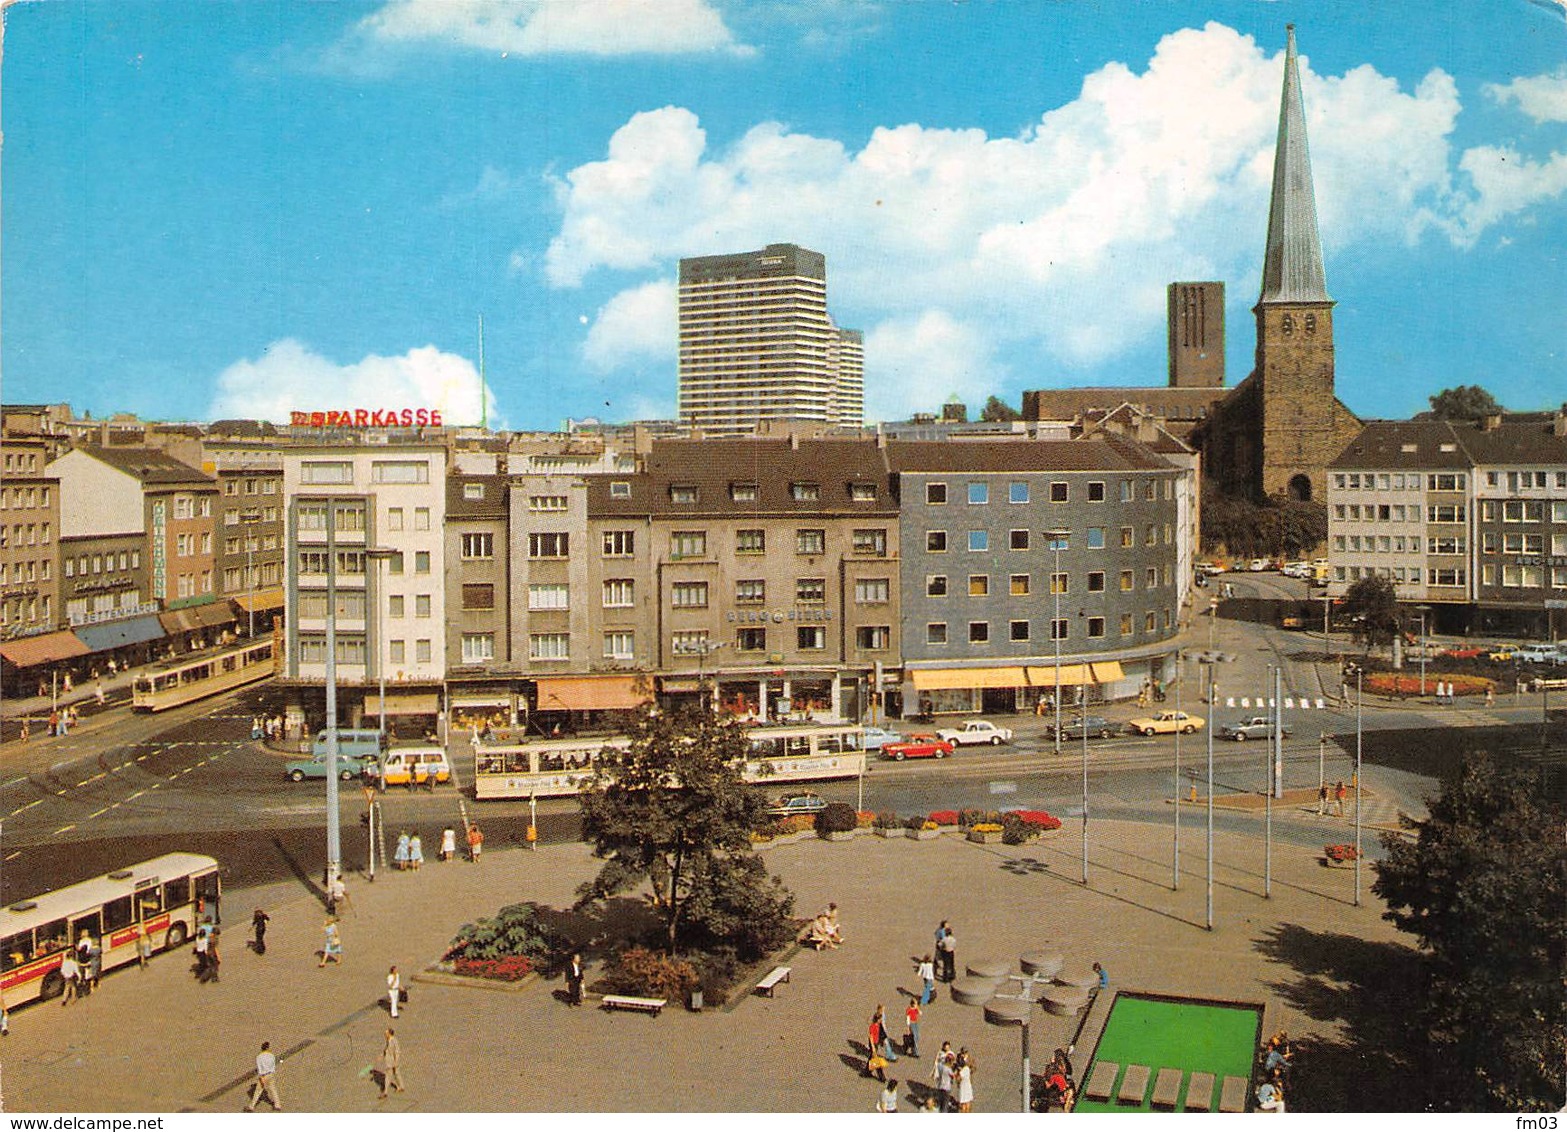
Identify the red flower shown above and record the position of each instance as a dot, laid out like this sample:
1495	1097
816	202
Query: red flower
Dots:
945	817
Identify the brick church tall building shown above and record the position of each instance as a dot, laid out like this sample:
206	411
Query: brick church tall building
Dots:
1276	431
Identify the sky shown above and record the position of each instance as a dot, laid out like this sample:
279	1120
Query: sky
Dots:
241	209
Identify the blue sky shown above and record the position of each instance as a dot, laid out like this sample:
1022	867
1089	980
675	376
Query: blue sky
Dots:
234	209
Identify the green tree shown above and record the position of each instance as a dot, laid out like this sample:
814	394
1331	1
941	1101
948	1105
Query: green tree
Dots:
1463	403
672	811
998	410
736	905
1484	890
1373	602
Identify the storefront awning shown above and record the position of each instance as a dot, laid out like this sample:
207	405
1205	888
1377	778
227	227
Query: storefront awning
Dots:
590	693
932	679
1071	674
261	601
196	617
118	634
25	652
404	703
1107	671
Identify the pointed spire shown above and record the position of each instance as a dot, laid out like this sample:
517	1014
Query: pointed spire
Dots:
1292	267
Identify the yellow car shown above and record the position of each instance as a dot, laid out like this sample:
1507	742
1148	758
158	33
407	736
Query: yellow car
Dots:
1167	723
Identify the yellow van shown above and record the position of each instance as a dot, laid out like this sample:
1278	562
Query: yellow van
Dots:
415	766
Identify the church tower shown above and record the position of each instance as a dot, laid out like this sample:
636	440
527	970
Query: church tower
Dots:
1303	424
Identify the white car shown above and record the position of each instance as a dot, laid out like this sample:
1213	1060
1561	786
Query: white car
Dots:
976	731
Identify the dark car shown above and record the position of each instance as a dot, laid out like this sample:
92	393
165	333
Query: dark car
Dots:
804	802
1092	724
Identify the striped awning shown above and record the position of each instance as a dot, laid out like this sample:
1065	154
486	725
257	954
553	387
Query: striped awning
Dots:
26	652
590	693
934	679
1041	676
260	602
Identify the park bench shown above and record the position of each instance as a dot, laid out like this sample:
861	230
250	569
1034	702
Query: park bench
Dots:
1199	1093
770	981
1167	1088
1133	1085
631	1002
1101	1082
1232	1097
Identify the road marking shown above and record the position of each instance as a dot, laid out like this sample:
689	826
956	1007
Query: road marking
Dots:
96	813
140	757
63	829
13	782
136	795
30	805
15	853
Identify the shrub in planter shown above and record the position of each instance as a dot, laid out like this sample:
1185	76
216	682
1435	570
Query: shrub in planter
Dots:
650	974
798	823
918	822
985	827
970	817
1019	826
944	817
1040	818
888	820
864	819
516	930
837	817
507	969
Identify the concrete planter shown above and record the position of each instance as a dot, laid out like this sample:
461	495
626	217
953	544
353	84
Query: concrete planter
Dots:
846	835
924	834
896	831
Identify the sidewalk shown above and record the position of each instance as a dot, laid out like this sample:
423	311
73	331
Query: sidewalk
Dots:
156	1040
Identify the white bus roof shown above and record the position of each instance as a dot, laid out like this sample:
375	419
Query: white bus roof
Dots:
73	898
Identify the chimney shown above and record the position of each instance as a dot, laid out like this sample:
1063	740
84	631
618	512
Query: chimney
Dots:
1559	421
1491	422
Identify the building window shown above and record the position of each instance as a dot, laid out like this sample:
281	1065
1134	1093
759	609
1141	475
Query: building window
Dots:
1019	585
1018	630
478	544
1017	492
978	585
619	544
397	471
619	489
619	593
682	493
935	585
688	544
548	503
1126	625
743	492
979	493
1127	538
751	640
1150	490
979	540
750	542
475	595
862	492
936	633
549	595
1058	491
870	542
1127	581
421	605
873	637
478	648
810	541
872	591
1096	581
473	491
688	595
394	562
810	591
547	544
1096	627
1096	493
1018	540
935	493
750	591
421	519
805	492
422	561
1150	622
1151	536
936	542
394	604
1151	578
620	644
810	638
689	642
978	632
549	646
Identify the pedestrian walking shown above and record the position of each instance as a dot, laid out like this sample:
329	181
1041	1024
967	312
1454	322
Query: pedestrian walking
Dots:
390	1064
574	973
947	945
400	854
1322	799
394	989
71	973
143	946
27	728
202	943
98	691
415	852
882	1037
331	945
911	1020
214	959
1104	976
258	924
448	843
54	723
1490	701
963	1080
266	1080
475	842
5	1018
255	728
941	1076
888	1101
1339	794
94	964
336	896
926	969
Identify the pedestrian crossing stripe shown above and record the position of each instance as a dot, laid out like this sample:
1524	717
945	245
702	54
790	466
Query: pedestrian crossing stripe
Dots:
1290	702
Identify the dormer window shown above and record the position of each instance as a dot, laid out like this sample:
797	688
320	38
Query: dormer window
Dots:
805	492
862	492
619	489
473	491
682	493
742	492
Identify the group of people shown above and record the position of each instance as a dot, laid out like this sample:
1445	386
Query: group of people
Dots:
1060	1081
207	958
824	932
81	968
61	720
1276	1057
268	727
1336	794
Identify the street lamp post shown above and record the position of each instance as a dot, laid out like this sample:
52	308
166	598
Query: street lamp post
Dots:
1359	673
1213	692
1267	840
1058	537
334	842
1175	861
1422	610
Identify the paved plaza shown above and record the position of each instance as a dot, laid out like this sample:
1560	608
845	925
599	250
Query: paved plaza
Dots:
156	1040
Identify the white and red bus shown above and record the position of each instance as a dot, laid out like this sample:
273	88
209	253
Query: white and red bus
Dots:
164	898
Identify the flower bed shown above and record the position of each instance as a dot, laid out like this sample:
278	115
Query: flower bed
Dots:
1340	854
507	969
1040	818
1406	684
944	817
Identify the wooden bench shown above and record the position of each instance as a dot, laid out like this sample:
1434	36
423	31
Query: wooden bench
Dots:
770	981
1133	1085
1167	1088
630	1002
1101	1082
1199	1093
1232	1097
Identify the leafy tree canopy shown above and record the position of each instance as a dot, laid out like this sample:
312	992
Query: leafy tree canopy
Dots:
998	410
1373	602
1288	527
1484	890
1463	403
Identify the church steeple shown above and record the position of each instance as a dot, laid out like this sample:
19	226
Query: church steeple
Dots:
1292	266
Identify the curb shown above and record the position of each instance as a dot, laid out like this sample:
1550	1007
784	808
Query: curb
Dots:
447	979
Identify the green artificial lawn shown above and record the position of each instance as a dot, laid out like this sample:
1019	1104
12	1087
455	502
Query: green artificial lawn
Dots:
1187	1034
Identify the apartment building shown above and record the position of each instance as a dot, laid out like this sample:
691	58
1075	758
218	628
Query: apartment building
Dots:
251	536
1011	550
29	546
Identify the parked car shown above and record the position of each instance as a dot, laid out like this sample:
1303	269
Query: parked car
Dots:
917	747
1260	564
804	802
1211	567
878	737
1167	723
1466	652
1502	653
349	767
1257	727
415	766
1540	654
1093	724
975	731
1296	570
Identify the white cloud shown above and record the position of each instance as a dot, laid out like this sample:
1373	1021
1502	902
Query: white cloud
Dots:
1542	97
1505	183
925	359
1060	238
289	375
635	325
556	27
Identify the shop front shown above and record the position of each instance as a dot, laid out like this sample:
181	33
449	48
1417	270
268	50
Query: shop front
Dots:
785	695
569	705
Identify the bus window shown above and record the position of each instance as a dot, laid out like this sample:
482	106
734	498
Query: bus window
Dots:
117	914
90	924
176	892
150	901
829	744
207	891
51	938
797	745
15	950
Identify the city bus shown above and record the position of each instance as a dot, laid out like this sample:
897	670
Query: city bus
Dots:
162	897
548	768
185	681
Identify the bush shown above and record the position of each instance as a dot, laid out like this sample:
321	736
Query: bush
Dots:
864	819
1019	826
917	822
944	817
650	974
837	817
888	820
1405	684
516	930
797	823
967	819
508	969
985	827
